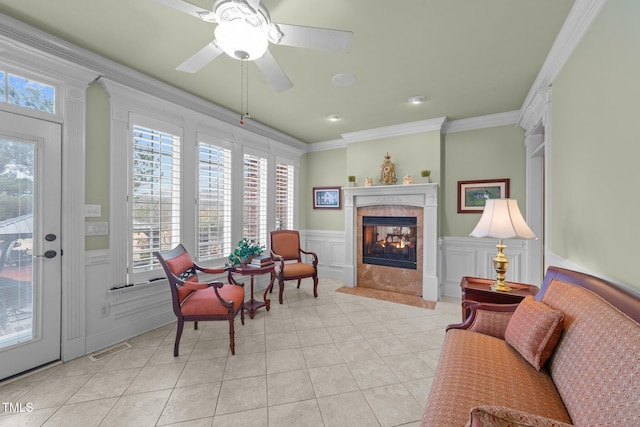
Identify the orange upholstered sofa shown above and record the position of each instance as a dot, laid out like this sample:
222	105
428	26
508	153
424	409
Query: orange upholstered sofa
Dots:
571	356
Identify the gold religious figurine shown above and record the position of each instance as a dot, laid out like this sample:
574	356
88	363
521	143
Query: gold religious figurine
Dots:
388	171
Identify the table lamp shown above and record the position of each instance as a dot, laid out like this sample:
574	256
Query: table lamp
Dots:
502	219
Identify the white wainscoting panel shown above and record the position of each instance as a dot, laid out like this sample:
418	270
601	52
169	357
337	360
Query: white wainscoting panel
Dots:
329	246
468	256
113	316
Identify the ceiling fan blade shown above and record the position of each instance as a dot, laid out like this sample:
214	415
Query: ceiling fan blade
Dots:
272	71
316	38
185	7
201	58
255	4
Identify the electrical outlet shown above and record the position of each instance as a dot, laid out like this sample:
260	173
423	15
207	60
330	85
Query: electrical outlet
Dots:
105	311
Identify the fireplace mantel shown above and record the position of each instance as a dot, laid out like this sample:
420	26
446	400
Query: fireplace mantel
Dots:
421	195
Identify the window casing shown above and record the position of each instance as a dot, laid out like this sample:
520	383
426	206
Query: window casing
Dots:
154	200
214	201
254	198
19	92
251	191
284	196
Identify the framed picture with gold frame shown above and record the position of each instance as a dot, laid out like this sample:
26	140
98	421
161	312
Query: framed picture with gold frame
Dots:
327	197
473	194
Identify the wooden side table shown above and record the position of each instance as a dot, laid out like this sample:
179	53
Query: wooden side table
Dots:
245	270
479	290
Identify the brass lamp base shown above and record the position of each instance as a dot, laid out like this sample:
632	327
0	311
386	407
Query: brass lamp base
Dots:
500	264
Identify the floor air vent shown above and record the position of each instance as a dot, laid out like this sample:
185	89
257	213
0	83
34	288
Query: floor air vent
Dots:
109	351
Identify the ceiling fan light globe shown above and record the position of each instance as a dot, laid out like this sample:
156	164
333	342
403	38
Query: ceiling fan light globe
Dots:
241	40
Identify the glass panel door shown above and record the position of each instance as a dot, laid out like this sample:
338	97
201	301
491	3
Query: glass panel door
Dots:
30	267
16	241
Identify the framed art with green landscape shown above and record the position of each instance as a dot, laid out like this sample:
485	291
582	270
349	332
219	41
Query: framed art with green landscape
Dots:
473	194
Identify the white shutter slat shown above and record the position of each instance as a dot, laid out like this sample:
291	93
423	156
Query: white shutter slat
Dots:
254	215
155	202
284	196
214	202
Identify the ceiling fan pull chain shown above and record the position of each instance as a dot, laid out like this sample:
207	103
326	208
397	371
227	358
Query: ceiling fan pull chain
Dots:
241	92
244	92
246	101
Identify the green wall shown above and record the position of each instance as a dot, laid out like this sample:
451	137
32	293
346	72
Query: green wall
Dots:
97	153
497	152
409	153
596	148
490	153
323	169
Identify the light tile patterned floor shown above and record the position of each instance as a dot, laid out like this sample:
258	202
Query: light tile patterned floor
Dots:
335	360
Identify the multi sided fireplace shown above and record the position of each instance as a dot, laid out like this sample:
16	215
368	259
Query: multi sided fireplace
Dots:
415	201
390	241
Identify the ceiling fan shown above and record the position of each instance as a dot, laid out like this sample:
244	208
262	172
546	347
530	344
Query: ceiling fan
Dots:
244	32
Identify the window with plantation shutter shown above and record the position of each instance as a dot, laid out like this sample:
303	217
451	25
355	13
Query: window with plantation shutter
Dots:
155	196
214	202
284	196
254	205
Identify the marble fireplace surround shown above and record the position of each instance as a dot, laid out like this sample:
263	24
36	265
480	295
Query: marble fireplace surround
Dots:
424	196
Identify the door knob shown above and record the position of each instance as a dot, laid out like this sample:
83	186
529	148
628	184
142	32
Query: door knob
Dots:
48	254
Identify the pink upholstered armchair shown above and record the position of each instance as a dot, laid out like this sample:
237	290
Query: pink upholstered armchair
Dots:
287	254
194	301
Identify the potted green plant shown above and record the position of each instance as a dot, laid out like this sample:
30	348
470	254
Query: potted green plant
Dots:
244	251
351	181
426	174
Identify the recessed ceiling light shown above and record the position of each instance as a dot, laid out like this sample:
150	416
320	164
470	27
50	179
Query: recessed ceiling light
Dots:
333	117
416	100
343	79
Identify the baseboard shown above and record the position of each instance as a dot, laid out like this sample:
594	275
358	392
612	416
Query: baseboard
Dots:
139	326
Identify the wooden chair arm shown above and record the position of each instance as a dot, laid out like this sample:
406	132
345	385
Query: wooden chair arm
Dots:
207	270
216	286
481	306
277	258
315	257
232	280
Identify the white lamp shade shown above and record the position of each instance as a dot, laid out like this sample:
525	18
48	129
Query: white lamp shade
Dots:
240	40
502	219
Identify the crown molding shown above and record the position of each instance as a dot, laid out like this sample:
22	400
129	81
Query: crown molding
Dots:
574	28
33	38
481	122
429	125
440	124
334	144
538	105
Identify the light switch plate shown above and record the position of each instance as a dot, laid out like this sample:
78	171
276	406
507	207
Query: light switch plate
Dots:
92	211
96	228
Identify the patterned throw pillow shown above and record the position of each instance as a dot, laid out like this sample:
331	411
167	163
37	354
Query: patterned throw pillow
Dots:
534	331
497	416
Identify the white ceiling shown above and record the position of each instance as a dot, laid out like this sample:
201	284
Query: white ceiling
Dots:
469	58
